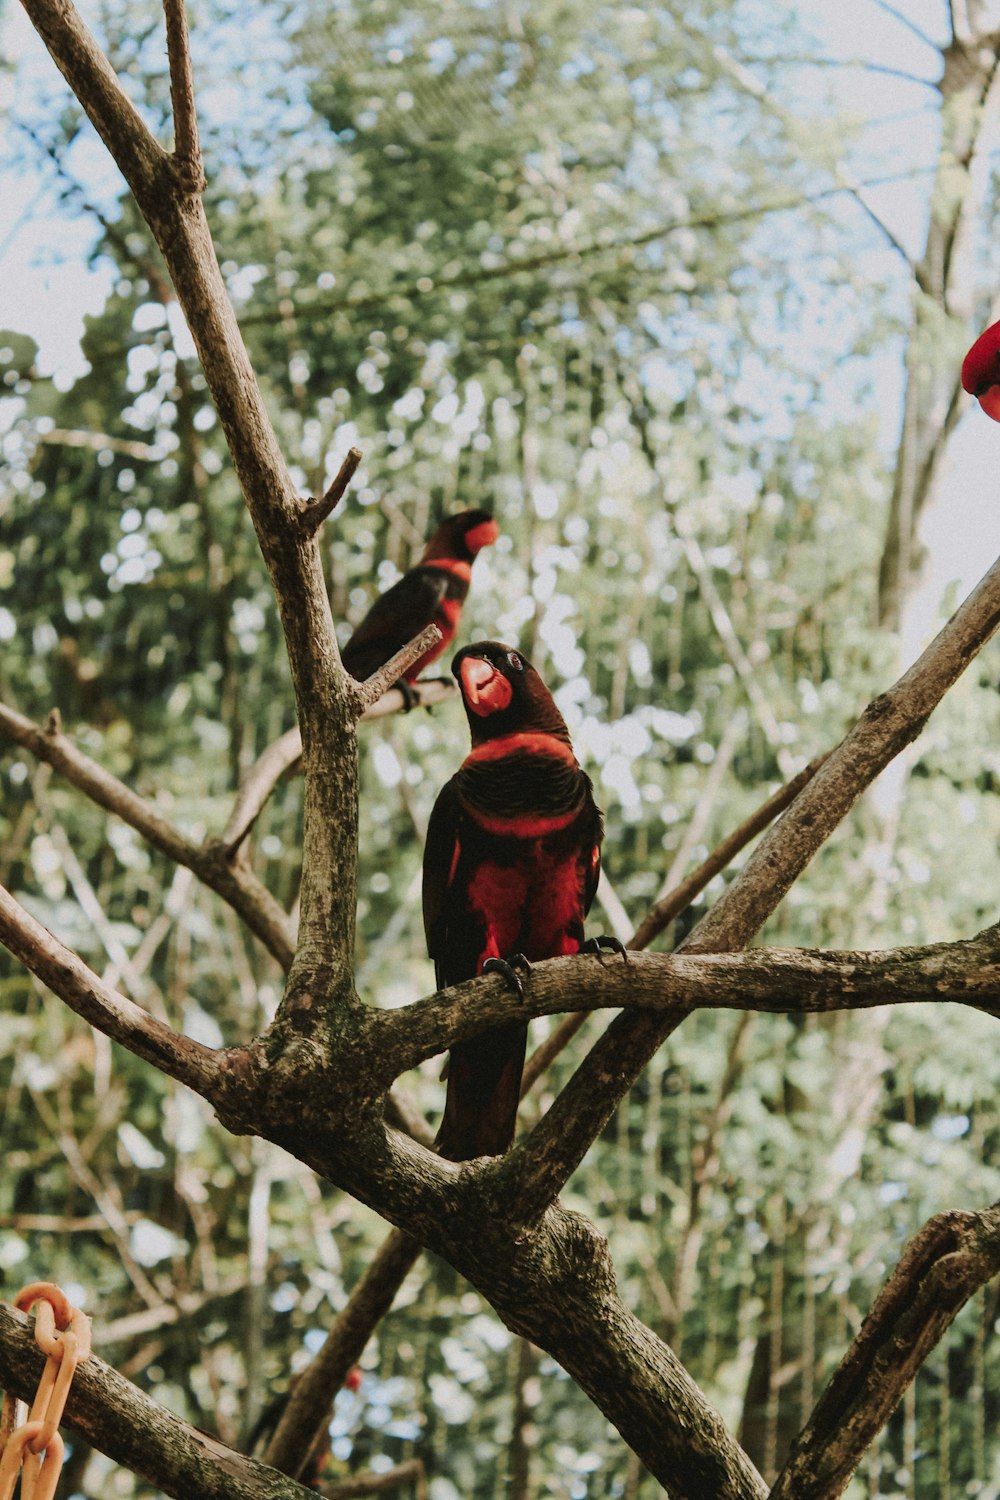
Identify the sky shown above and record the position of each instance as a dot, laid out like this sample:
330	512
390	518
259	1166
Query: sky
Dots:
47	286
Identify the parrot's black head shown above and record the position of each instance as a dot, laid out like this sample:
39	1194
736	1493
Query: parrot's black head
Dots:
462	535
503	694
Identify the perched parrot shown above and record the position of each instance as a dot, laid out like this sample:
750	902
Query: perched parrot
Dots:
431	593
511	865
981	371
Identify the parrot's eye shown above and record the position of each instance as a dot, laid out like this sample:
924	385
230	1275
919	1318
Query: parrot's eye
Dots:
515	661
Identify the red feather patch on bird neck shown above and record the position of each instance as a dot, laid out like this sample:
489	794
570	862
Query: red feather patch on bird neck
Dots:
485	690
453	565
534	741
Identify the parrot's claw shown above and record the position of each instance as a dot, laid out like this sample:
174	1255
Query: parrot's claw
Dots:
410	698
507	967
595	944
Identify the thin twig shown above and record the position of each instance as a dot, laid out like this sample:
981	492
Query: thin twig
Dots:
315	512
187	147
285	754
905	20
371	690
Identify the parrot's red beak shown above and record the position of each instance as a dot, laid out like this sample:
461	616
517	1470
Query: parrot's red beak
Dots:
981	371
485	690
483	535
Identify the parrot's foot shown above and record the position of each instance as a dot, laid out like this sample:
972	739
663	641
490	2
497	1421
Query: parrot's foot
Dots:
595	944
507	967
410	698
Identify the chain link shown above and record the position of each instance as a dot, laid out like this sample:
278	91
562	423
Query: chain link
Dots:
35	1450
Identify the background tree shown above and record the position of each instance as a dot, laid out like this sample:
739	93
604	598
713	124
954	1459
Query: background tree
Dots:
590	326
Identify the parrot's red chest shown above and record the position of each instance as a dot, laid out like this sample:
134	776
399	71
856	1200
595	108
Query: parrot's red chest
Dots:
529	906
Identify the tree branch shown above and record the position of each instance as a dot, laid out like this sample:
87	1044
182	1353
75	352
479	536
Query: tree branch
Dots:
315	512
785	981
285	754
119	1018
76	54
680	898
324	700
118	1418
187	147
371	690
945	1264
211	862
310	1401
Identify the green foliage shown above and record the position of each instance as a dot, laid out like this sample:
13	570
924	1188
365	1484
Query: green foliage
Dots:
524	261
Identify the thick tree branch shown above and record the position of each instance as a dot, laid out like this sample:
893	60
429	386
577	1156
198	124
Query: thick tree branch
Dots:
211	861
944	1265
119	1419
772	980
539	1165
118	1017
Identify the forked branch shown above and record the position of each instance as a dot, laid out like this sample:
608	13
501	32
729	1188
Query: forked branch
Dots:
187	147
944	1265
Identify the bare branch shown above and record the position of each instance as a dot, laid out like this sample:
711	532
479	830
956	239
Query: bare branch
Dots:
119	1419
311	1399
101	442
671	905
945	1263
118	1017
680	898
285	754
795	981
187	148
370	1483
88	72
237	885
370	691
315	512
425	693
904	20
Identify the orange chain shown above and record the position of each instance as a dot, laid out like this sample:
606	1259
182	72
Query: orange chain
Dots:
35	1451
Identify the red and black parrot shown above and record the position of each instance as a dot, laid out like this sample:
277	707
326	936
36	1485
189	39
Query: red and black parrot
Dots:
981	371
511	865
432	593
